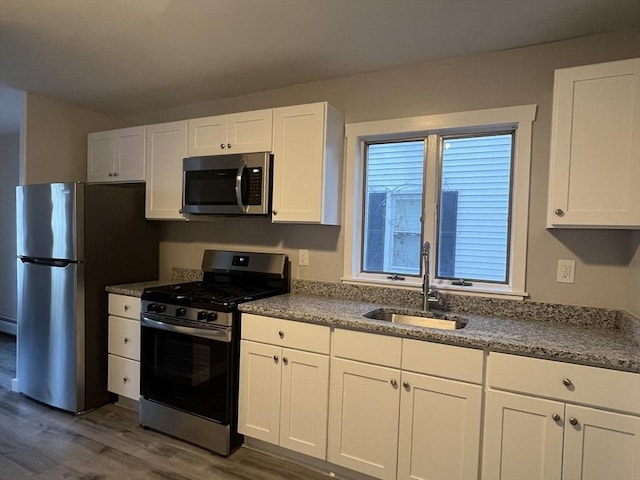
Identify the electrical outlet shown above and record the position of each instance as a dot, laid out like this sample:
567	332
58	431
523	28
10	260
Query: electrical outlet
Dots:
566	271
303	256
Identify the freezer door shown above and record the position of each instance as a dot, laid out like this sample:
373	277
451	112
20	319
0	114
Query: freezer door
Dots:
50	220
50	338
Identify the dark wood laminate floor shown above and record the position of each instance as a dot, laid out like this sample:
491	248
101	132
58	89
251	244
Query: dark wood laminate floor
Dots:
38	442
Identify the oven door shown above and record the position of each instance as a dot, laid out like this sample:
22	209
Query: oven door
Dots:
188	369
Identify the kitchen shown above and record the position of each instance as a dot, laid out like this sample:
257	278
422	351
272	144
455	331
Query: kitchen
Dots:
607	261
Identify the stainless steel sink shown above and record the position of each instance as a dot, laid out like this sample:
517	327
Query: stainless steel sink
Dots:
429	319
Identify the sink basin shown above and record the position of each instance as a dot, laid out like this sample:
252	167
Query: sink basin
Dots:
429	319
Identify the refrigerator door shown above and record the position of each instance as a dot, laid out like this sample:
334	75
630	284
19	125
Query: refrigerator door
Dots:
50	337
50	220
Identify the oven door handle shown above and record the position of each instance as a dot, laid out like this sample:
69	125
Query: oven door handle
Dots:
222	334
239	174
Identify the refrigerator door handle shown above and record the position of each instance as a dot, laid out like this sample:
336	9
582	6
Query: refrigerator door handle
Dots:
46	262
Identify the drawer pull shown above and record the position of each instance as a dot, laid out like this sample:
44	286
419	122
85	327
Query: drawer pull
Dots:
275	358
126	340
573	421
406	386
125	379
281	334
285	361
393	382
556	418
126	308
567	382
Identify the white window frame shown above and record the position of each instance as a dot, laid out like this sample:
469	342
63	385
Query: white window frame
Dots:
358	134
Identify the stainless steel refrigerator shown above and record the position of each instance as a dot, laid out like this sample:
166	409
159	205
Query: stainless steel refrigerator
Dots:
74	239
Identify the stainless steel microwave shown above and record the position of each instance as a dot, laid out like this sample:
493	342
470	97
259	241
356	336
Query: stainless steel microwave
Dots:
238	184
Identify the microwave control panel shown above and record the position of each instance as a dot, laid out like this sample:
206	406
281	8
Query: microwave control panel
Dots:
255	186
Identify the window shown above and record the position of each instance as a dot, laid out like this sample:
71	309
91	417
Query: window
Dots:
459	181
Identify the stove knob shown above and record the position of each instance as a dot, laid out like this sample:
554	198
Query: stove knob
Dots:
152	307
202	315
181	312
160	308
212	316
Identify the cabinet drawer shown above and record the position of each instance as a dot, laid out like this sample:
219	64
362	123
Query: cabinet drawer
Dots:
565	381
286	333
124	306
440	360
124	337
367	347
124	377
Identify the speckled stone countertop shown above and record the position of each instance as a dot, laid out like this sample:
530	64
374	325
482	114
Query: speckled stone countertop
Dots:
588	336
604	345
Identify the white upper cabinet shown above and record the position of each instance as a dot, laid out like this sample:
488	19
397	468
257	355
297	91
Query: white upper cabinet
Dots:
595	147
116	155
235	133
308	150
166	148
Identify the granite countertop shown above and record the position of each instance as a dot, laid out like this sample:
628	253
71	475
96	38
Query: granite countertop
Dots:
602	347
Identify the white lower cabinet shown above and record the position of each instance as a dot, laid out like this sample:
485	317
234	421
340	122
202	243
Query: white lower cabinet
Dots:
124	346
389	422
528	437
283	396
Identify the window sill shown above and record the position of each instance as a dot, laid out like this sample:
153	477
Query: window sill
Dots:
416	284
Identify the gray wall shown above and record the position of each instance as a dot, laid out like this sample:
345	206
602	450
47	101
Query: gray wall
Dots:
605	260
9	173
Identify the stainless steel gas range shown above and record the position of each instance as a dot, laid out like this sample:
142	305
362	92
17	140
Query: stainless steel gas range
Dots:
190	347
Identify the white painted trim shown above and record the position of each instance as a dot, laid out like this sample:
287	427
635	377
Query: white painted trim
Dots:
521	117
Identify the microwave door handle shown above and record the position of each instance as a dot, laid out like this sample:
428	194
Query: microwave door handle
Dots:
241	167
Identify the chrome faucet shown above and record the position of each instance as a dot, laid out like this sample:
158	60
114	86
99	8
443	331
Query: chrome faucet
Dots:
429	295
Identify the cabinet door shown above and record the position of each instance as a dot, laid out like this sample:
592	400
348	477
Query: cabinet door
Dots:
259	394
250	131
439	435
101	148
307	162
595	146
130	155
601	445
304	402
166	148
522	440
207	136
363	417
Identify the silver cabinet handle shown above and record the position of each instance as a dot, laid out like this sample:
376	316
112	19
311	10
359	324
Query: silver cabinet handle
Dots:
275	358
274	212
559	212
126	308
126	340
115	174
222	145
567	382
125	379
406	386
394	384
281	334
556	417
228	145
285	361
111	174
573	421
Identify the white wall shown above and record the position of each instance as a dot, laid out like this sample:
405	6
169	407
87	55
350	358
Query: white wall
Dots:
9	172
513	77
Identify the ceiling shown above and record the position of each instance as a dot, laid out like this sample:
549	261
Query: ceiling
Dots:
126	56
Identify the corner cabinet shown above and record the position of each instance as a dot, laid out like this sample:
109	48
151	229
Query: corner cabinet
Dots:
116	155
124	346
284	383
595	147
243	132
556	420
308	150
166	147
